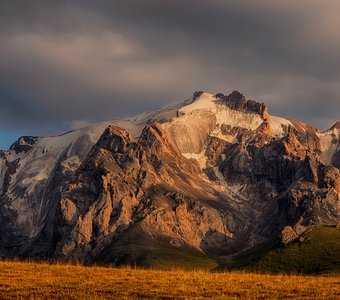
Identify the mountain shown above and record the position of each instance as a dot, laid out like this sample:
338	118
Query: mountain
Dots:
204	179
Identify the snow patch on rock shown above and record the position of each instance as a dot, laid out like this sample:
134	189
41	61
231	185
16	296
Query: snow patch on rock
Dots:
200	157
224	115
204	117
277	124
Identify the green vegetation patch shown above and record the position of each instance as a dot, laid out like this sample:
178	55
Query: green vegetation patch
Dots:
158	257
318	253
189	259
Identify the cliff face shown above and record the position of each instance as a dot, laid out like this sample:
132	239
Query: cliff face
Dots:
143	186
217	174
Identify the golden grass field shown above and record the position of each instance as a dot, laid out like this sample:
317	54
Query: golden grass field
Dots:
28	280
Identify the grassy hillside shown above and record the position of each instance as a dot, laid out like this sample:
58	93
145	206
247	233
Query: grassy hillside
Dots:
43	281
319	253
157	257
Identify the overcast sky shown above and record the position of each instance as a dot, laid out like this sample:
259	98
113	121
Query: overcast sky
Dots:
66	63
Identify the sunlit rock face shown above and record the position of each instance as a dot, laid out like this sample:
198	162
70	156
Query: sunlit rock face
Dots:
330	145
216	173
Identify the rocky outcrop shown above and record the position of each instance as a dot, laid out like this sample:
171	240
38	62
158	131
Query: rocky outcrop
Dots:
24	144
290	234
196	95
238	101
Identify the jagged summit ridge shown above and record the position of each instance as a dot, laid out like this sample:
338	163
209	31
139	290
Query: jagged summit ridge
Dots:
238	101
335	126
235	101
23	144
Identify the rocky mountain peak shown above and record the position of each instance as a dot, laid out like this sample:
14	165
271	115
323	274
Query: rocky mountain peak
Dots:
196	95
235	101
114	139
335	126
238	101
24	144
236	97
216	174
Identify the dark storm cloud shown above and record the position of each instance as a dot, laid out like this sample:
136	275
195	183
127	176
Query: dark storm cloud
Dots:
64	63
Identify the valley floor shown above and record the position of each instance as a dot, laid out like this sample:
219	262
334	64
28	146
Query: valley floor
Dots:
43	281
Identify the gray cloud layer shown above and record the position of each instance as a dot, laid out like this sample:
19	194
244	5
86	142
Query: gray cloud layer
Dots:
63	63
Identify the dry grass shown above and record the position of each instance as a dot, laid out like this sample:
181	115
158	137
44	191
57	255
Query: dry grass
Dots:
42	281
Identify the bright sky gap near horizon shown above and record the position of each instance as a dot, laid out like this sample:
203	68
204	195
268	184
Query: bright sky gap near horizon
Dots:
64	64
